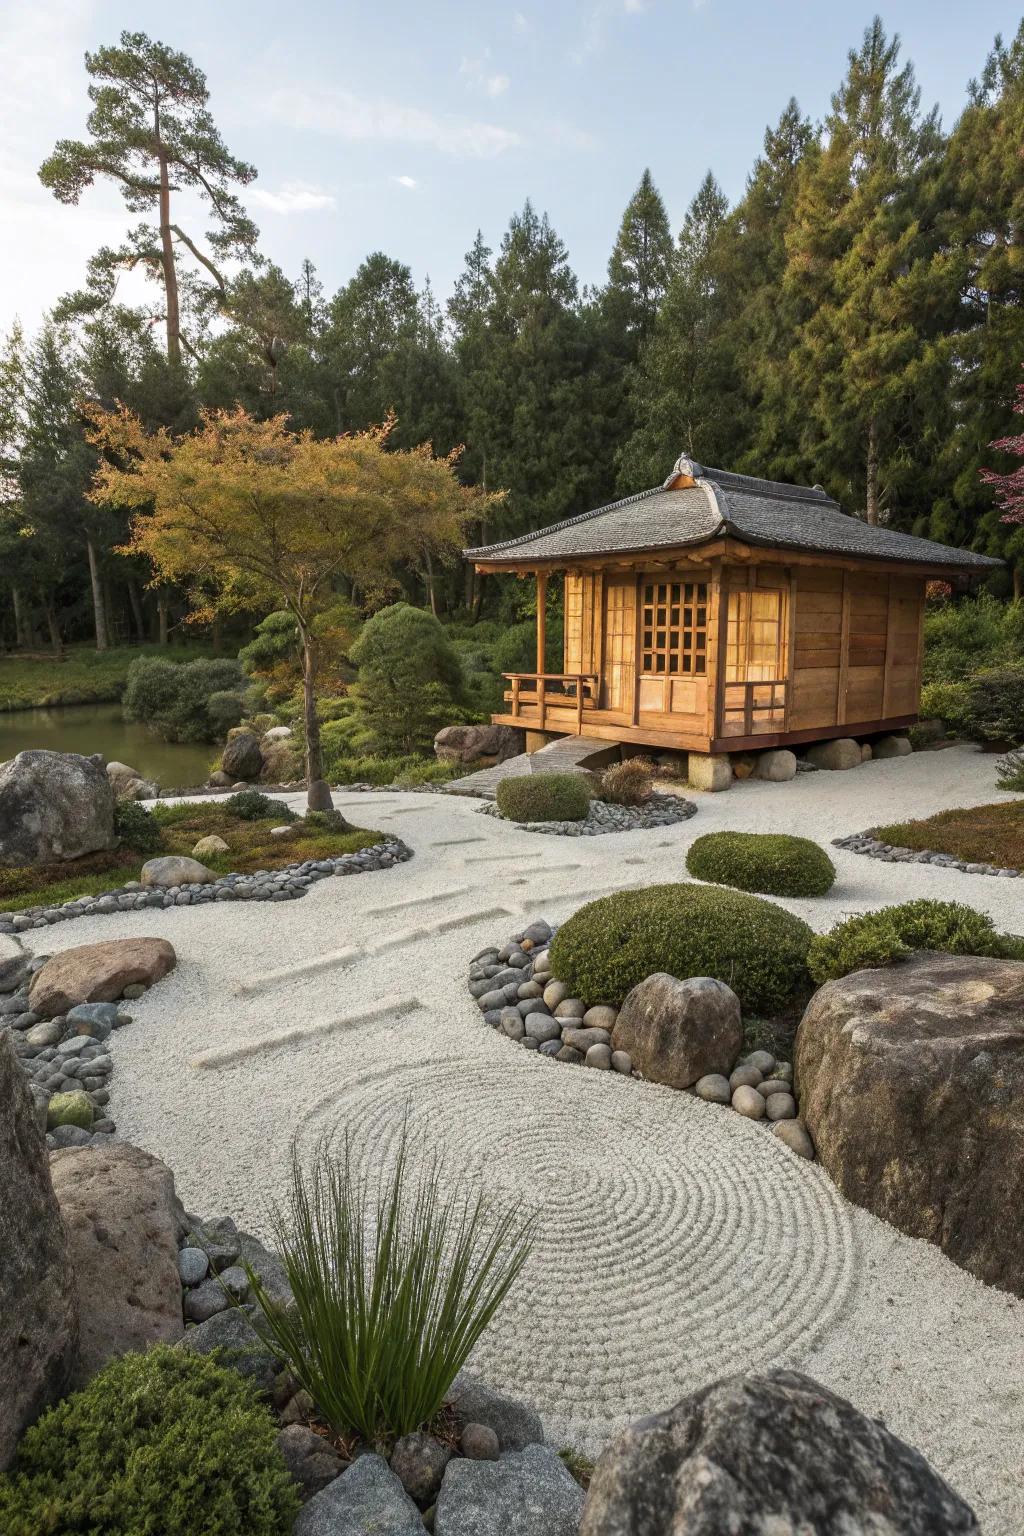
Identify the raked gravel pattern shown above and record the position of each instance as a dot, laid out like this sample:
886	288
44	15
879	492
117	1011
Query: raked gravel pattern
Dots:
676	1242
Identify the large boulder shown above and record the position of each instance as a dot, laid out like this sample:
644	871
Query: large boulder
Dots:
515	1423
709	771
778	766
772	1453
54	806
128	783
123	1222
175	869
38	1300
911	1081
892	746
366	1500
98	973
679	1031
530	1492
242	758
842	753
466	743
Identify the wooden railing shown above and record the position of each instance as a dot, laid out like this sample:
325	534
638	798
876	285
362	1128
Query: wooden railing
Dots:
756	707
538	689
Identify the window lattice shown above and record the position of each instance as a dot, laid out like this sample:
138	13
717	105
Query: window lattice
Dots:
674	627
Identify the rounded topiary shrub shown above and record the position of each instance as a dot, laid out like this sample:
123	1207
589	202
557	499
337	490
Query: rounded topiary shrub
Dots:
166	1442
251	805
757	948
771	862
545	797
878	938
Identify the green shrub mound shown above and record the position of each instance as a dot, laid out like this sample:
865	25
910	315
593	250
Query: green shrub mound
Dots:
196	701
755	947
135	828
892	933
770	862
995	705
251	805
164	1442
545	797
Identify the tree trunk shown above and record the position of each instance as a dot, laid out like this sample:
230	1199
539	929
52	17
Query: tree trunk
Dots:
56	639
169	269
431	586
872	473
99	615
137	614
311	720
161	608
19	619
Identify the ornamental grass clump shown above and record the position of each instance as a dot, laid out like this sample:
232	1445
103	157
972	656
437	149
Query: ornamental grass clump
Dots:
392	1288
754	946
166	1442
627	783
773	863
892	933
545	797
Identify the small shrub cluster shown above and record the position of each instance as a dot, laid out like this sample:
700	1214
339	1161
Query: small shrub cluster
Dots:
946	701
251	805
892	933
773	863
135	828
194	701
544	797
995	705
756	947
153	1442
973	633
410	680
627	783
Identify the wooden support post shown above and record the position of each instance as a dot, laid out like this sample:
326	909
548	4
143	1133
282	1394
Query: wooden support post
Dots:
844	653
515	695
542	617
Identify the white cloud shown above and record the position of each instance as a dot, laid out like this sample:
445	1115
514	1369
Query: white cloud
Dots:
599	18
344	115
636	7
294	197
520	22
480	77
409	182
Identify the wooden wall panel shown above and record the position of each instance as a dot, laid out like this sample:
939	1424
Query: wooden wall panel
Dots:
620	644
817	634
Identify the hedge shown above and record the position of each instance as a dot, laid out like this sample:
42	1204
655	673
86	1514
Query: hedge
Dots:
545	797
164	1442
773	863
892	933
756	947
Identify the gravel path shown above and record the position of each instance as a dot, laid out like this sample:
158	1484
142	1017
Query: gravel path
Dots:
677	1241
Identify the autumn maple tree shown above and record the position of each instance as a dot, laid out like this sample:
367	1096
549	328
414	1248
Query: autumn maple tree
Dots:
1009	488
246	513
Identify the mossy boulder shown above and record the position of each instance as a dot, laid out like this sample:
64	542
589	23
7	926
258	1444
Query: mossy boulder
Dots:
74	1108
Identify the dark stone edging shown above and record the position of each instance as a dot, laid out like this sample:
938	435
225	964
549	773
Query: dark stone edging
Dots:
264	885
891	853
604	817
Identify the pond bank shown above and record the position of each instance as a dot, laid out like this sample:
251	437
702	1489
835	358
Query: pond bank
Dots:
89	728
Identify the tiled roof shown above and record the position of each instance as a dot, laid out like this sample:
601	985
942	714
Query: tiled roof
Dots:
722	504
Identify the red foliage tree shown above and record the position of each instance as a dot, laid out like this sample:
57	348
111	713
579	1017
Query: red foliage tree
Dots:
1009	488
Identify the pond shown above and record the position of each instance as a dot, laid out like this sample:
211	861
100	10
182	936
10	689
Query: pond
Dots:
89	728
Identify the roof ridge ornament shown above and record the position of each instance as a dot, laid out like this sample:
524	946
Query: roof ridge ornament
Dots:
685	472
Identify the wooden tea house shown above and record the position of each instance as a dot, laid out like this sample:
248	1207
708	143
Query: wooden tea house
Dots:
719	613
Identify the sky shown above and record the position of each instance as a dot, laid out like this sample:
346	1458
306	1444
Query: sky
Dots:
404	127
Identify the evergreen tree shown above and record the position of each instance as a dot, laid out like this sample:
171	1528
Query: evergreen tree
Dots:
152	134
862	375
638	270
679	397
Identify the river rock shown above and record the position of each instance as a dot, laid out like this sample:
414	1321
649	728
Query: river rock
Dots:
418	1461
127	783
516	1424
911	1082
209	845
98	973
242	758
54	806
842	753
312	1461
276	733
367	1498
38	1300
892	746
530	1492
123	1222
679	1031
233	1333
175	869
772	1452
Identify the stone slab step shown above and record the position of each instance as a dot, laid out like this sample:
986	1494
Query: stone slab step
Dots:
566	754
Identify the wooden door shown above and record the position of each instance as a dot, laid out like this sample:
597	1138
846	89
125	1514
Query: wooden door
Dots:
619	682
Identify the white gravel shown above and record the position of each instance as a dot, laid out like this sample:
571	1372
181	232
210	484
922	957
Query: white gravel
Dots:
678	1241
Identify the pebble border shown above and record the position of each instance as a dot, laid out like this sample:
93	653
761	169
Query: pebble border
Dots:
263	885
891	853
603	817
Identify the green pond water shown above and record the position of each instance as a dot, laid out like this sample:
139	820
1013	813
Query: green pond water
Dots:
89	728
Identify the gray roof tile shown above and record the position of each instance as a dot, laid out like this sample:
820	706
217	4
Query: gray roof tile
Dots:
753	511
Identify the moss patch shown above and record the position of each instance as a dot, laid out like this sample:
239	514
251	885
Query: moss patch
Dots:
980	834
